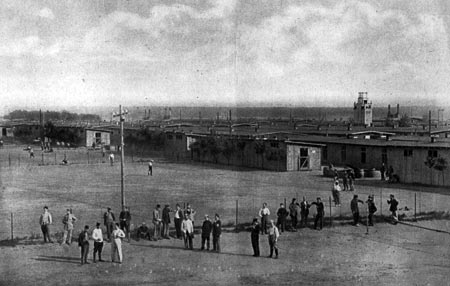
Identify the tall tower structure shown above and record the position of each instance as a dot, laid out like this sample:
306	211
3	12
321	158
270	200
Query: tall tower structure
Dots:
362	110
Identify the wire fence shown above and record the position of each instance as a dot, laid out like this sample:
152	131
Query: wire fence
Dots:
235	212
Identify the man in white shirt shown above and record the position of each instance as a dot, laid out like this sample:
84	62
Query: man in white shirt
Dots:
97	235
116	244
273	238
264	214
45	221
150	168
188	232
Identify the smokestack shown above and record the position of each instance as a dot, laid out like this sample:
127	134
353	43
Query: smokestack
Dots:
230	114
145	116
398	109
200	117
389	110
170	113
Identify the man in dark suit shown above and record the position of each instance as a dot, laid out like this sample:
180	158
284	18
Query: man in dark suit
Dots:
217	231
206	232
318	221
255	229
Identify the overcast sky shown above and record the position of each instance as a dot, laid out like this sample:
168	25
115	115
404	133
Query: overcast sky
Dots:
204	52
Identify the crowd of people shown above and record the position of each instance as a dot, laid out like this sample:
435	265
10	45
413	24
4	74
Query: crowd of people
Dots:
184	222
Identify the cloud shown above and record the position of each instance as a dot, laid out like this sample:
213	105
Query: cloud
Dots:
46	13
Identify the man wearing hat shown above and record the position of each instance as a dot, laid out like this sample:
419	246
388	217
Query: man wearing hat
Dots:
125	221
206	232
355	209
166	221
320	213
83	242
393	208
255	229
68	221
372	209
97	235
109	221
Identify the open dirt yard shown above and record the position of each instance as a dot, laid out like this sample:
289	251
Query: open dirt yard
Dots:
414	253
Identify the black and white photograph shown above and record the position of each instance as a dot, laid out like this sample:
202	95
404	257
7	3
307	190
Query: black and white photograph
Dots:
224	142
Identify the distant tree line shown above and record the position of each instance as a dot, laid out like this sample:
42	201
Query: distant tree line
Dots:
51	116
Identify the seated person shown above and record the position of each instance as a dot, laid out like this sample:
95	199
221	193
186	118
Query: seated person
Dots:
143	232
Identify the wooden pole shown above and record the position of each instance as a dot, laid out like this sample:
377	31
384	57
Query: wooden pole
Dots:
55	158
331	221
12	226
381	202
237	207
9	159
415	206
121	158
367	219
42	158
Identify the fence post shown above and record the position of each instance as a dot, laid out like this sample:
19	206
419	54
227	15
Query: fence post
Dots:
381	202
415	206
55	158
331	221
9	159
42	158
12	226
237	206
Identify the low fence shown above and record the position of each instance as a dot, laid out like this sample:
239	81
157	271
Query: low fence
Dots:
235	212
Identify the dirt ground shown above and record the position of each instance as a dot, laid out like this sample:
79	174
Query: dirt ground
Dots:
415	253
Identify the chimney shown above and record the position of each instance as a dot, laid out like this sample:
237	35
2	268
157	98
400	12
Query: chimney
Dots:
389	110
429	123
230	114
398	109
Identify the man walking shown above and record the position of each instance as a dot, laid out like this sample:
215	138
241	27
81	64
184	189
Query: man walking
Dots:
206	232
166	221
282	214
255	229
336	193
109	220
97	235
116	245
150	168
125	221
264	214
83	242
68	221
393	208
383	171
157	222
355	209
372	208
111	159
45	221
178	218
216	232
294	214
318	221
304	212
188	232
273	238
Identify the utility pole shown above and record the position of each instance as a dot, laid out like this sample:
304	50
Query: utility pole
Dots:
120	115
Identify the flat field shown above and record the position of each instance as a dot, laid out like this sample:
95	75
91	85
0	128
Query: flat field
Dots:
415	253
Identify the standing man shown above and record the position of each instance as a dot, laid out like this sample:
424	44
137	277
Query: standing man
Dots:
217	231
383	171
97	235
178	218
190	212
393	208
273	238
188	232
355	209
157	222
318	221
282	214
68	221
45	221
111	159
31	153
293	213
255	229
336	193
125	221
150	168
264	213
83	242
166	221
206	232
116	245
304	212
372	208
109	220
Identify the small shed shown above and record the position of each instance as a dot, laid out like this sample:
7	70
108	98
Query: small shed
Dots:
98	137
303	156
